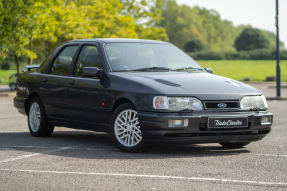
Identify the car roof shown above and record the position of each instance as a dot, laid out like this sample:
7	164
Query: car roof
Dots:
119	40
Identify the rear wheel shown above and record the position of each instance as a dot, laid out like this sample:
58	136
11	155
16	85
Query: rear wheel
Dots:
37	120
125	129
13	86
234	145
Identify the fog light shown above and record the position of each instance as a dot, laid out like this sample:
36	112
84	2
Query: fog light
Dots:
266	120
178	122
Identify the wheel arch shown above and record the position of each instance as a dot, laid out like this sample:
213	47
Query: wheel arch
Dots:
120	102
29	98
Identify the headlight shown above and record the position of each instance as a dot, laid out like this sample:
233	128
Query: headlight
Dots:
177	103
253	102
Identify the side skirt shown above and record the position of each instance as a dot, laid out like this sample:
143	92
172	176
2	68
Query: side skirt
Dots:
79	124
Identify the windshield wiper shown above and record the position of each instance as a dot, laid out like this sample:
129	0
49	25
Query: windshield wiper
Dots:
186	68
151	68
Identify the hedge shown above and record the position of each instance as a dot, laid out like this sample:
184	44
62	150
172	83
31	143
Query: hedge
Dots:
259	54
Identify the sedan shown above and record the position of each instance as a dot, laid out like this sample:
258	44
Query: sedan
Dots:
141	92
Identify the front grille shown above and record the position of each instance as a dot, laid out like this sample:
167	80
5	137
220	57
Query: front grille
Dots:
222	104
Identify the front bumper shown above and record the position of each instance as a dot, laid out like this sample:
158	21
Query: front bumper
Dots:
155	128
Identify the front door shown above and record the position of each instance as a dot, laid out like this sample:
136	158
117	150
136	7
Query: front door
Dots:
84	95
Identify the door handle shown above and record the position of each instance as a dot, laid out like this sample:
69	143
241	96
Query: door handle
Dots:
71	82
44	80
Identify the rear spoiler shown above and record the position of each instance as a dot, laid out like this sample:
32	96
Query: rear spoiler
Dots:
29	67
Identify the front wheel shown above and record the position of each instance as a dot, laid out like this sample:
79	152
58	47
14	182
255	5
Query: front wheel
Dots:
125	129
37	120
234	145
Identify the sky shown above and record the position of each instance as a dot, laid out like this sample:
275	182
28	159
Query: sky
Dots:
257	13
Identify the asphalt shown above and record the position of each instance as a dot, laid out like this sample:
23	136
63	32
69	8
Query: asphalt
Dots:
268	88
83	160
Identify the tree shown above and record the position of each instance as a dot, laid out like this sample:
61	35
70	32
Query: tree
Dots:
36	27
251	39
147	15
13	25
194	45
184	22
18	21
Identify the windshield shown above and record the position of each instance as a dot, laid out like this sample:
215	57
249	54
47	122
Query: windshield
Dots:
134	56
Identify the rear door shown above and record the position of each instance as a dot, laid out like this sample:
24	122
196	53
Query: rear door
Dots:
53	86
84	95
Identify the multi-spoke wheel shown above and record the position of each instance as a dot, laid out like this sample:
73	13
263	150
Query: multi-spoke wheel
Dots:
125	129
34	117
37	121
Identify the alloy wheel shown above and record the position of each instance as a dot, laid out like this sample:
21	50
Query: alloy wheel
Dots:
34	117
127	129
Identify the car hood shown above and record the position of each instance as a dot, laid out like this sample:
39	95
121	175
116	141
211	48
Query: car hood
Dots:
203	85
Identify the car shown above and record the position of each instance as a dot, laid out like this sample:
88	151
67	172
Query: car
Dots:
13	81
142	92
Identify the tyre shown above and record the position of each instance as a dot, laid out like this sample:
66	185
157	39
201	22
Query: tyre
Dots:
125	129
13	86
234	145
37	120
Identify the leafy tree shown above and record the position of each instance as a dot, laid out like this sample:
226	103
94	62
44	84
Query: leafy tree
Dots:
18	20
147	15
13	25
194	45
36	27
272	39
184	22
251	39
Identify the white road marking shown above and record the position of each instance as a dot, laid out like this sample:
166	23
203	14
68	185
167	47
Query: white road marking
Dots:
271	155
14	132
32	155
73	148
150	176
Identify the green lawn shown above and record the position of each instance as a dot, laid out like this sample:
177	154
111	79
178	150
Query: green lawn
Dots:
5	74
238	69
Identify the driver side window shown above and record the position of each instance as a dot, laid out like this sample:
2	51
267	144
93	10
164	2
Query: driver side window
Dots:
89	57
62	63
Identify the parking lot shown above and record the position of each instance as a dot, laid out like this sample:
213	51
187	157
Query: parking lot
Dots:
82	160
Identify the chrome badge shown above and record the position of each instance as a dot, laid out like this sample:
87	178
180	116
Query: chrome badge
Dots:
221	105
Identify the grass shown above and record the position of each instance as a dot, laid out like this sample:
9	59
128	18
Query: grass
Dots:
5	74
234	69
239	69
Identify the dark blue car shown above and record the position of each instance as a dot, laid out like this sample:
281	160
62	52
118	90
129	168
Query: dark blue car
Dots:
142	92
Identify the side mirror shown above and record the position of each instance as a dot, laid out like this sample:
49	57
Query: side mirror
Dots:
209	70
92	72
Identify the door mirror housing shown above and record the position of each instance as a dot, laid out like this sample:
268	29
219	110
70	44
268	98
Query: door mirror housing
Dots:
209	70
92	72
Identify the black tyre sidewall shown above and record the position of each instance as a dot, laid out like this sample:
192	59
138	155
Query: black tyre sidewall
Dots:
45	129
141	147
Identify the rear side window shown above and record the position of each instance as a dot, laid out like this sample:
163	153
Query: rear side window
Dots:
89	57
62	63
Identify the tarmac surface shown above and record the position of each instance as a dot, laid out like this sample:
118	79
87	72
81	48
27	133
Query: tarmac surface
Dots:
83	160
